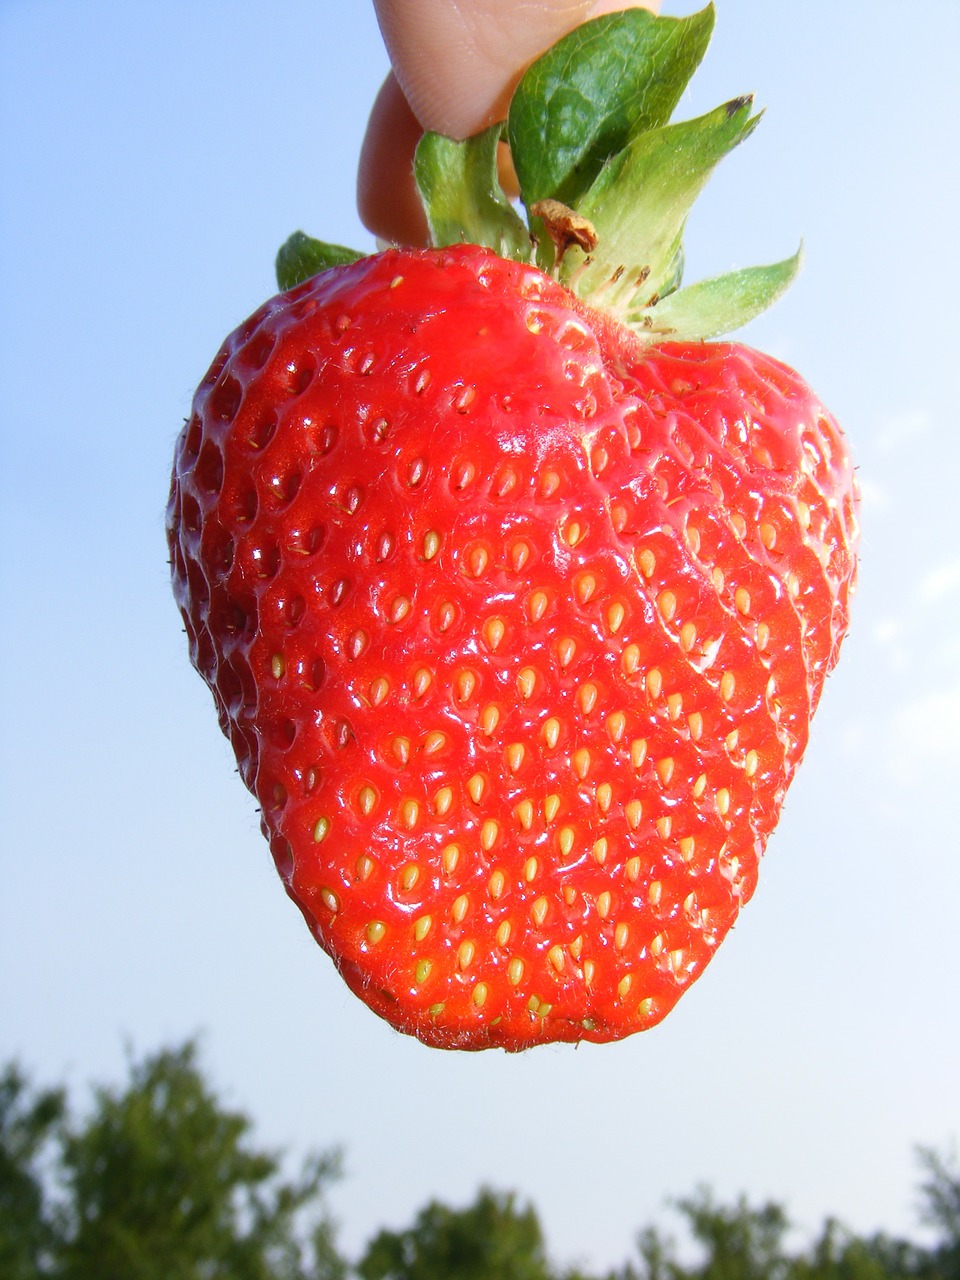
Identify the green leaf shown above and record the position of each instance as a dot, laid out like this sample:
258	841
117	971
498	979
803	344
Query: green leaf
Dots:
462	196
302	257
639	205
584	99
716	306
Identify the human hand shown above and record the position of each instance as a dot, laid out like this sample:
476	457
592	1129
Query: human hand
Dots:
455	67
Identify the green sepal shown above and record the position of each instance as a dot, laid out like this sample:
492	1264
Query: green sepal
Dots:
712	307
639	205
584	99
301	257
462	196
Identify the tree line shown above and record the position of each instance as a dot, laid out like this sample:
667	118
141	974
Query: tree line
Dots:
159	1181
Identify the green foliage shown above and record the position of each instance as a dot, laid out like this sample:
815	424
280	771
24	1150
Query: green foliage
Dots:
493	1239
159	1181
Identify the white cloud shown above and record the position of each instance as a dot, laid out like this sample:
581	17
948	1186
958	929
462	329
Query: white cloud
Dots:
940	582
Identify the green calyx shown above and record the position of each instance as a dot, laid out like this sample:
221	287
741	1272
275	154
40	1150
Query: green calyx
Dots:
605	179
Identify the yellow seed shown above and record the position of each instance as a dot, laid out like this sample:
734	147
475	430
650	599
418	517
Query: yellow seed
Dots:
549	483
423	971
589	971
527	682
728	685
688	847
574	533
330	899
478	561
376	930
617	725
459	909
488	834
633	869
604	796
620	936
450	858
493	632
665	768
742	600
530	868
624	985
422	681
514	756
732	740
566	651
524	812
604	903
600	850
718	579
497	884
401	749
399	609
751	763
677	960
365	867
793	585
551	732
321	829
538	911
587	698
443	800
700	786
655	893
551	807
763	636
476	786
647	562
446	616
664	827
723	802
503	933
409	814
581	763
519	555
533	1004
674	705
489	719
431	544
768	534
515	971
688	636
638	752
695	721
434	742
565	840
657	945
630	662
615	616
379	690
585	587
465	953
537	605
634	812
277	666
544	1010
557	958
645	1008
435	1010
667	604
367	799
422	928
692	536
654	682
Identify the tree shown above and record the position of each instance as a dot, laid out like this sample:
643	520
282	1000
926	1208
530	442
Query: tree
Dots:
160	1182
492	1239
27	1128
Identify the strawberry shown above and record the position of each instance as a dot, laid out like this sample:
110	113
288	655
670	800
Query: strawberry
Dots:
515	594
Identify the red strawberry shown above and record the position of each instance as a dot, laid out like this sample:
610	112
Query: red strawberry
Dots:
516	616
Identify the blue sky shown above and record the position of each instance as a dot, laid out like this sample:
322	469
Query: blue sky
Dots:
152	158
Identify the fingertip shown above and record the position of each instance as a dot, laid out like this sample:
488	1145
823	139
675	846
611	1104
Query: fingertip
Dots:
387	198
